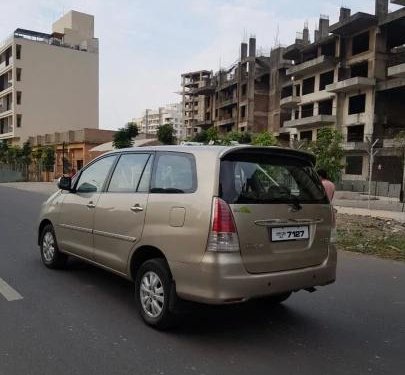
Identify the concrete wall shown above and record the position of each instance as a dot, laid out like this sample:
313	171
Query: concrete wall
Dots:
59	89
10	175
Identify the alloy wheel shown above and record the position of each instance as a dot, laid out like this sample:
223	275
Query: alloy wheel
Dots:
152	294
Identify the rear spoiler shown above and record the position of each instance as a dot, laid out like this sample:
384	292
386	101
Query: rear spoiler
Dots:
276	151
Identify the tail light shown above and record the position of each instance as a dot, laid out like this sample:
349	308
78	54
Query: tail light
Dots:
223	236
333	231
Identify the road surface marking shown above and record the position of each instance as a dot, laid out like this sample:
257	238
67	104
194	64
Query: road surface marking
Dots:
8	292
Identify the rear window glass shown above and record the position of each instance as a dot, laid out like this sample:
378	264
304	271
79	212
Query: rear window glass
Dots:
260	178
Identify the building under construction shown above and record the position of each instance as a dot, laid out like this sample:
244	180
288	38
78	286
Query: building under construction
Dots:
237	98
350	77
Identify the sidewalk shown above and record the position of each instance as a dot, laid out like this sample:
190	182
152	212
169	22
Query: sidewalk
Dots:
381	214
36	187
357	200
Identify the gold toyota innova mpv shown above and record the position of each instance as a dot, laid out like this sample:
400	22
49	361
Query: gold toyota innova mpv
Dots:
210	224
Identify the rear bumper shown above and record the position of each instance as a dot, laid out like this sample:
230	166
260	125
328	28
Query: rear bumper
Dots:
222	279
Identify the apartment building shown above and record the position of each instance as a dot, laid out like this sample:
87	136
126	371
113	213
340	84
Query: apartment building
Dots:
352	77
197	100
241	98
49	81
151	119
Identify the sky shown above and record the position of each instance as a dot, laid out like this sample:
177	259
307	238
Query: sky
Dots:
145	45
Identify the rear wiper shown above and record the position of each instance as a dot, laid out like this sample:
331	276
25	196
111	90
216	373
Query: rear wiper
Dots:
295	203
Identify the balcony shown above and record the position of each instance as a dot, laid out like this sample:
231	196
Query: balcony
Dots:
398	2
351	84
312	121
226	102
396	65
312	66
355	146
222	121
290	102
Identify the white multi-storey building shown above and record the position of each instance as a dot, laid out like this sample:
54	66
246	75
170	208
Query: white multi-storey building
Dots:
49	82
151	119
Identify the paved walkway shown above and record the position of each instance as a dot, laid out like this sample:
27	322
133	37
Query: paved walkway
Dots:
394	215
36	187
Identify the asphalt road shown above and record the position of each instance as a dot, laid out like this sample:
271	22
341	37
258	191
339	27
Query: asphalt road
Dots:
83	320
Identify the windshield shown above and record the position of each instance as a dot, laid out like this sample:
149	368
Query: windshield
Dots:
260	178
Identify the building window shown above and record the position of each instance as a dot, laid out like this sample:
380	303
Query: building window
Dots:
306	136
361	43
18	97
359	70
19	121
298	90
326	79
18	51
287	91
355	133
357	104
18	74
329	49
354	165
326	107
244	89
308	86
243	112
307	110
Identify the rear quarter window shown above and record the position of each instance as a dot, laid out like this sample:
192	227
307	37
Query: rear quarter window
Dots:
174	173
265	178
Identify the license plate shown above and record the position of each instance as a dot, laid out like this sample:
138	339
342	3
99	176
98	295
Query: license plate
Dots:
290	233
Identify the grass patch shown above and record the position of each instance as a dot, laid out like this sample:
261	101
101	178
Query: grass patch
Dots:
366	235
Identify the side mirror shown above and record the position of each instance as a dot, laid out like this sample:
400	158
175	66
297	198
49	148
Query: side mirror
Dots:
65	183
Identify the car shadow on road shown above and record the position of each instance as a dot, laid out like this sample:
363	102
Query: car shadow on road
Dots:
254	318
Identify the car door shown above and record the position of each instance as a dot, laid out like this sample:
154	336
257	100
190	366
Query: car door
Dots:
120	211
75	229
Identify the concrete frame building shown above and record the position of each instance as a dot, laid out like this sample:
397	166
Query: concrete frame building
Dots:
352	78
242	98
151	119
49	82
197	100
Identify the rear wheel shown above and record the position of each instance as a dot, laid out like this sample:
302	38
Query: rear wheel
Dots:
154	294
50	254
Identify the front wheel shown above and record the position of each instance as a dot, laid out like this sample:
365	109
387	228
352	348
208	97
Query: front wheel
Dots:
153	292
50	254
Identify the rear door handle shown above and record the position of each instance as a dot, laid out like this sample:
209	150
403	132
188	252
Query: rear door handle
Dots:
288	222
91	205
137	208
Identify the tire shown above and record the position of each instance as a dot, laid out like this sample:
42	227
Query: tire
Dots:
50	254
155	294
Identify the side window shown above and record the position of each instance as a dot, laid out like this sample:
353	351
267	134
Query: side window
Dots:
93	177
174	173
127	173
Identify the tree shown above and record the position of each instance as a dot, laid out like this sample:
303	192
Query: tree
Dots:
166	134
212	135
48	158
3	151
26	154
201	137
329	152
265	139
242	138
123	138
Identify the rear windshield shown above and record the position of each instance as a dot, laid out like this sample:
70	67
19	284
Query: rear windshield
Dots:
260	178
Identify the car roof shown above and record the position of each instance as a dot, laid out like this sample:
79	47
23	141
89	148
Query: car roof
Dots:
221	151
